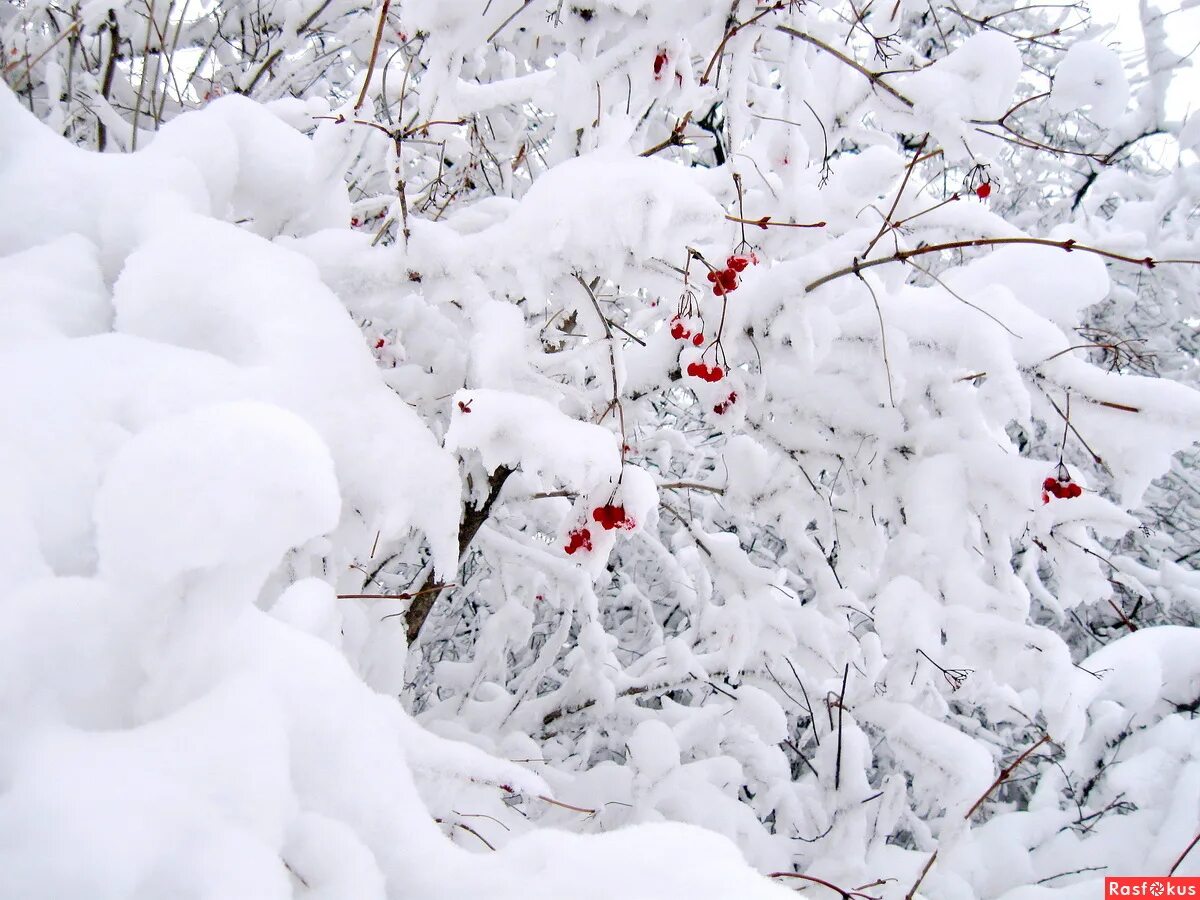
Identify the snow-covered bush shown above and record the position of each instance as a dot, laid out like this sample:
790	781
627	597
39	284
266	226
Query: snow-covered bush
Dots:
506	422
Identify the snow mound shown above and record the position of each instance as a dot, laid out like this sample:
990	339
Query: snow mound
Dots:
1091	75
226	484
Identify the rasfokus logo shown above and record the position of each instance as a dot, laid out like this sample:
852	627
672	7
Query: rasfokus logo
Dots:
1152	886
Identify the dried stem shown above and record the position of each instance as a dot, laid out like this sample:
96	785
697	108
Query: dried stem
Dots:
1000	779
1070	245
362	95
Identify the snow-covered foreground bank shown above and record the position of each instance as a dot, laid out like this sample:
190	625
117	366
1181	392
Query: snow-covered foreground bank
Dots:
188	415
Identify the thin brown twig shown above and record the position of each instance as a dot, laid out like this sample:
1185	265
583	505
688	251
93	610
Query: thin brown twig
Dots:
767	222
729	34
887	220
362	95
1184	854
1000	779
846	895
873	77
1069	245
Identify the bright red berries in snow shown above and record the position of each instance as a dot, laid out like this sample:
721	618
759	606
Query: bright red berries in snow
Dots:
983	191
578	539
681	332
612	516
1063	490
660	62
723	407
702	370
725	280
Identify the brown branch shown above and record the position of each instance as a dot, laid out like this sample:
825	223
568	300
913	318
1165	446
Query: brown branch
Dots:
766	222
873	77
524	6
1069	245
114	49
1182	855
729	34
674	139
887	220
473	519
404	596
262	70
578	809
1000	779
846	895
362	95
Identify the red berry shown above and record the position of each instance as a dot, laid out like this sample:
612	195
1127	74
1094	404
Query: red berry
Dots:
693	369
983	191
1049	484
659	61
718	289
580	538
698	339
354	223
1045	497
464	407
712	276
1074	490
379	344
737	263
716	374
728	279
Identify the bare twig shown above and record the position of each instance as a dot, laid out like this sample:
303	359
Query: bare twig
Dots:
1184	854
362	95
846	895
1000	779
1069	245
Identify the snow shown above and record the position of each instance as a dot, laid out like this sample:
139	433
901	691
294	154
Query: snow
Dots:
975	81
556	447
258	375
1091	76
178	446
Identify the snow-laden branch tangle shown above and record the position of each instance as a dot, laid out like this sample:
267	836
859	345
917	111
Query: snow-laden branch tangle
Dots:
835	528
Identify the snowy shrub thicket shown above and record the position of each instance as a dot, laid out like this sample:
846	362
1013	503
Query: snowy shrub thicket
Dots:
626	448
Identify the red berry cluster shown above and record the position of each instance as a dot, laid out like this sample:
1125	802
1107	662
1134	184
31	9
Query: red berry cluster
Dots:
1063	490
611	516
578	539
681	332
725	280
723	407
702	370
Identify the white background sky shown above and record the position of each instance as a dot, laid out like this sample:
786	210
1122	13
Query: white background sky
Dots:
1183	32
